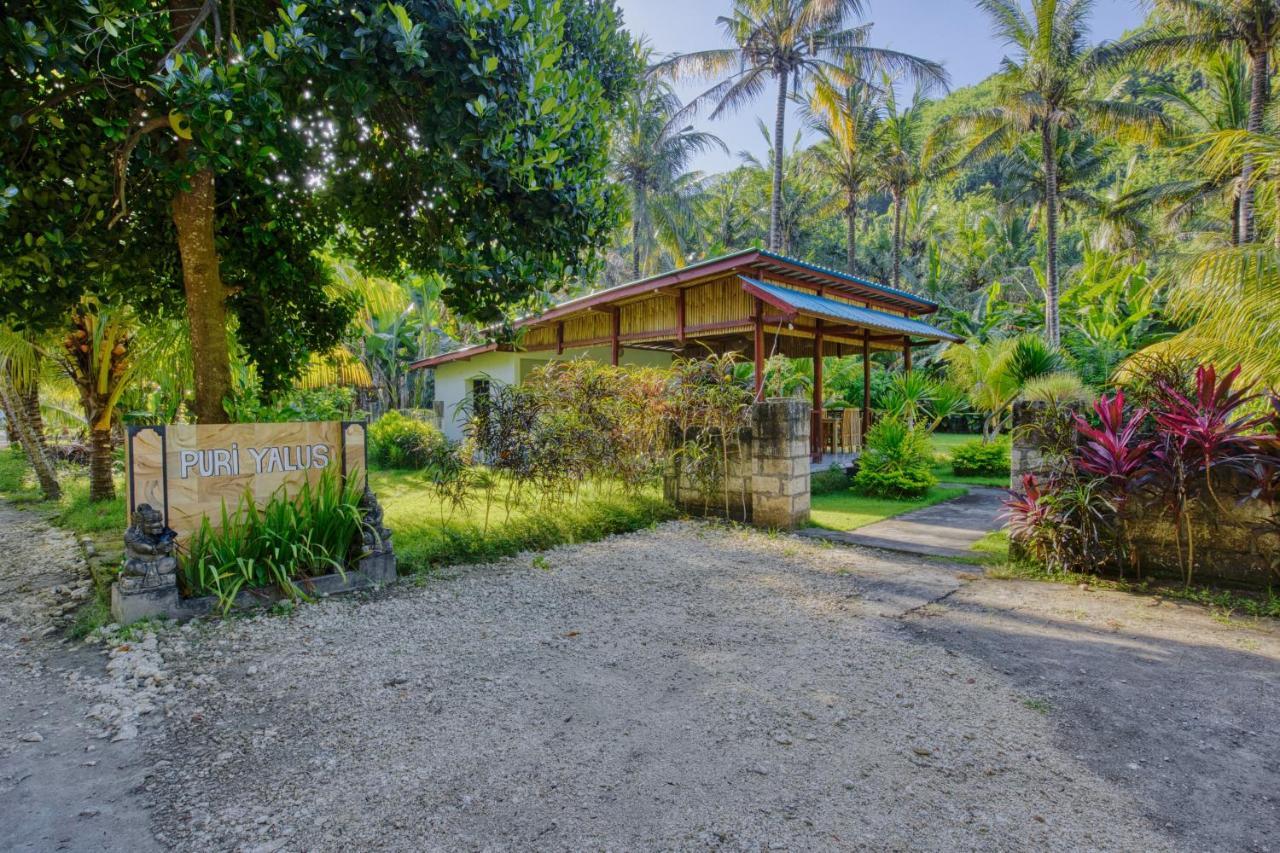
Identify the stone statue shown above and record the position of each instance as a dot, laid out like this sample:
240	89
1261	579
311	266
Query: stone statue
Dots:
376	537
148	547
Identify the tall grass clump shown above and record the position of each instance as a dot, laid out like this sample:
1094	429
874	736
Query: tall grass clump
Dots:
313	533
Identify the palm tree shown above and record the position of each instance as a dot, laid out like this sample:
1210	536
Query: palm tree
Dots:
1222	103
1227	298
790	42
900	160
1045	89
848	119
653	145
1203	27
805	198
19	370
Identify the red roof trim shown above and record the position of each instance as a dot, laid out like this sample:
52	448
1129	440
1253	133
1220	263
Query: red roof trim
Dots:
457	355
788	311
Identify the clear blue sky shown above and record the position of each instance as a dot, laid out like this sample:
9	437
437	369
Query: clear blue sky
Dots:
950	31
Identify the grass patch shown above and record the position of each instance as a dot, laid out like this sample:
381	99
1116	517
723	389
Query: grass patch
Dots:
425	541
74	511
1224	602
849	511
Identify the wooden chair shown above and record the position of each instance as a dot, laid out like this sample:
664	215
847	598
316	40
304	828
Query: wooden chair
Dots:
851	430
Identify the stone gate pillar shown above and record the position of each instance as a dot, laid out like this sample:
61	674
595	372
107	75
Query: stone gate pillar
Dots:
780	463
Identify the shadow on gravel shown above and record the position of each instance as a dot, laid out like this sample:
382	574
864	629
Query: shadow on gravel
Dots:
1156	698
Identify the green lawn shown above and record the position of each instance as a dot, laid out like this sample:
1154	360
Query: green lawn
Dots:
849	511
428	533
943	443
73	511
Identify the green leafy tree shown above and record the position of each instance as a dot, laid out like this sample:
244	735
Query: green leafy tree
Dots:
790	42
201	152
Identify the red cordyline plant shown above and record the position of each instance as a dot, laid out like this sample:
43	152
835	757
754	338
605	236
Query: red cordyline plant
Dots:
1113	450
1208	428
1199	434
1114	453
1024	511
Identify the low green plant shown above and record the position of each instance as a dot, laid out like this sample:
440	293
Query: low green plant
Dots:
397	442
429	545
829	481
896	462
982	459
311	533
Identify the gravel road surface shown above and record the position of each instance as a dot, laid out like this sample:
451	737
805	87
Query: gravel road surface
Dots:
691	687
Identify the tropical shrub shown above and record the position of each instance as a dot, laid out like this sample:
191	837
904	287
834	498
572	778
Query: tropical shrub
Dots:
896	461
397	441
978	459
1061	523
829	481
315	532
1192	447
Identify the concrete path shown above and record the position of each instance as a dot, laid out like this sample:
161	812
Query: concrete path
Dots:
948	529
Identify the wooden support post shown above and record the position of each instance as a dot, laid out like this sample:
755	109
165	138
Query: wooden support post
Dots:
560	338
866	381
758	355
906	354
680	317
615	347
819	440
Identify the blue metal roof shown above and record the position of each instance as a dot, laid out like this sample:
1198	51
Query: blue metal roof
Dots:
849	277
830	309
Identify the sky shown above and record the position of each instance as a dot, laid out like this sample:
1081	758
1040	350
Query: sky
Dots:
950	31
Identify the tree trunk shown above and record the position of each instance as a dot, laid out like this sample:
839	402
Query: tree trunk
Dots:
101	485
851	227
779	118
637	222
193	216
29	398
40	463
1051	235
1258	97
897	237
192	210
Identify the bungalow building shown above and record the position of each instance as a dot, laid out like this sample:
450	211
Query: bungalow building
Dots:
755	302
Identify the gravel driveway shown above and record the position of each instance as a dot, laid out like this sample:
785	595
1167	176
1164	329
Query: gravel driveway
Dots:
681	688
690	687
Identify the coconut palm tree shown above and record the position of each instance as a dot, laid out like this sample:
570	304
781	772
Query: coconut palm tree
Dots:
19	370
900	160
805	197
1227	298
848	120
1201	28
790	42
1220	103
652	147
1044	88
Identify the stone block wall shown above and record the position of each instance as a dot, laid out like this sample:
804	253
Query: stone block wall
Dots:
768	471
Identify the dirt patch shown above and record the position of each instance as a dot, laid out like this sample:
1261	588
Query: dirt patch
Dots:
1166	700
66	774
679	688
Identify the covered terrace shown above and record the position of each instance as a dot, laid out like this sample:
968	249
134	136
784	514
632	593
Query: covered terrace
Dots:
753	302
